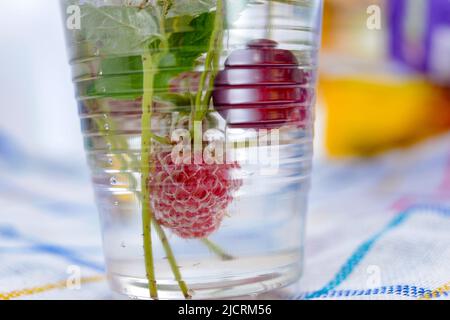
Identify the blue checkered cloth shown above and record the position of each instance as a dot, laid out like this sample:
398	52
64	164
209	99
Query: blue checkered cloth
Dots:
377	229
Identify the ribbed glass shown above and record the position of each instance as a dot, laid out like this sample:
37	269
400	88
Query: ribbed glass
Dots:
239	74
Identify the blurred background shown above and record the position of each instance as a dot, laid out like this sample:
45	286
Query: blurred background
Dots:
383	117
385	76
38	110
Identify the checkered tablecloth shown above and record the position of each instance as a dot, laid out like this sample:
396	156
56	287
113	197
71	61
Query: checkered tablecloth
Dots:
378	228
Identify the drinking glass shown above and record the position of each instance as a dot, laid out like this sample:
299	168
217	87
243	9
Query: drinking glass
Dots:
197	118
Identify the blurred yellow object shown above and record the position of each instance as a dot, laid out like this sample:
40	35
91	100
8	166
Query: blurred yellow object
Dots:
366	115
372	104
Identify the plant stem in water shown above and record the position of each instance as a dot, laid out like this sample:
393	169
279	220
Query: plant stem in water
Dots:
146	162
172	261
211	65
217	250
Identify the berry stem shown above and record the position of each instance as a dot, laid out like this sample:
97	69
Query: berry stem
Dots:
211	66
172	261
150	63
146	162
217	250
270	17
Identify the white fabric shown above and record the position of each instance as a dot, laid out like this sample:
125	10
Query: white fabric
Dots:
376	229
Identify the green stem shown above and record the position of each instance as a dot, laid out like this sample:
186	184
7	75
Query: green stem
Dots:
147	170
211	65
161	140
217	250
146	162
172	261
270	16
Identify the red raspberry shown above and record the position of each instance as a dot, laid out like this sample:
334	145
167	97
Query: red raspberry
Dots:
262	86
191	199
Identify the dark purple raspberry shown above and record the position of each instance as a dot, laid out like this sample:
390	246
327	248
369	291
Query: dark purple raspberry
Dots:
262	87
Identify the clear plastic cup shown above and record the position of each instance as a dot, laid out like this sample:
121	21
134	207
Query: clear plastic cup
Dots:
197	119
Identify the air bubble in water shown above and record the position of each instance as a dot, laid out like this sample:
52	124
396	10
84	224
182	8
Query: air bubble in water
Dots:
106	126
113	181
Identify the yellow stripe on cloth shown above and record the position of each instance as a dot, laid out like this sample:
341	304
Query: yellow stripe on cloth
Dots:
49	287
436	292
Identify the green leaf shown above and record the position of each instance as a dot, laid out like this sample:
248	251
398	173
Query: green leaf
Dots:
122	77
185	48
118	30
123	33
191	7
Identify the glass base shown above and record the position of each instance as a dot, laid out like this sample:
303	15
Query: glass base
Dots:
278	284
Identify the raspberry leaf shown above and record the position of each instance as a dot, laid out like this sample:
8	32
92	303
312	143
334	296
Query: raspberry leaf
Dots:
185	49
122	76
118	30
191	7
